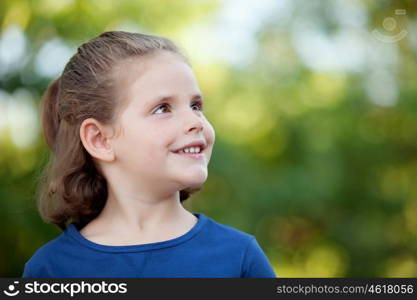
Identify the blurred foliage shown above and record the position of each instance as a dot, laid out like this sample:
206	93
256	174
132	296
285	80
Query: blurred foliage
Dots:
316	133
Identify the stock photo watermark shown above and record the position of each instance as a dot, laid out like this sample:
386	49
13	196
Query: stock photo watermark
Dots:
70	289
393	28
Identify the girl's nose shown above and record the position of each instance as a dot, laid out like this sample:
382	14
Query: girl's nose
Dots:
197	127
194	123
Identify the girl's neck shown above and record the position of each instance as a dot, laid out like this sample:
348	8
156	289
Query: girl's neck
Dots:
117	225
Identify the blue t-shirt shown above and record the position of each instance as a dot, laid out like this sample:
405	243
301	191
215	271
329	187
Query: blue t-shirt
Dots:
209	249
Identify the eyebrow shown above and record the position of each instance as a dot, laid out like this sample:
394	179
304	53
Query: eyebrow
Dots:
168	98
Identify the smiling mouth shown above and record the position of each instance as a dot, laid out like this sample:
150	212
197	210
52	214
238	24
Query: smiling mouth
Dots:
193	155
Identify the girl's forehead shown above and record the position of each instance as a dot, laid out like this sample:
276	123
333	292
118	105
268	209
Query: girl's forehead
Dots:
158	68
139	63
133	68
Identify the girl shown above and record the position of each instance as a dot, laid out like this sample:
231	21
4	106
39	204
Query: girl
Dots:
130	143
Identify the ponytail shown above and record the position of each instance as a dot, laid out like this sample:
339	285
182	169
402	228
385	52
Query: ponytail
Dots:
49	115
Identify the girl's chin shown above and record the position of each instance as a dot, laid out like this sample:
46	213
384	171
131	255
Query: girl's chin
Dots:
195	181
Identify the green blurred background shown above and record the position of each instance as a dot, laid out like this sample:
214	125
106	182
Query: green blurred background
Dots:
315	111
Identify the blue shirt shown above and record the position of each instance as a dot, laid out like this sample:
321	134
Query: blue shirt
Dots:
209	249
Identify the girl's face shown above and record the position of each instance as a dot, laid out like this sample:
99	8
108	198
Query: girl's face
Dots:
162	114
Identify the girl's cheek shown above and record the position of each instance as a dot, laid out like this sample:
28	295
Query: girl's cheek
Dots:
211	132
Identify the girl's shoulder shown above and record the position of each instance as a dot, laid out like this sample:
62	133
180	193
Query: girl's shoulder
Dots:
225	232
44	255
239	243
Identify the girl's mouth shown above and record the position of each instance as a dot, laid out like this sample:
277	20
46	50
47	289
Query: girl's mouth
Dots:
190	154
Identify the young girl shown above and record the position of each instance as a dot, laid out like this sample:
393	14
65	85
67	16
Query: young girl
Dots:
130	143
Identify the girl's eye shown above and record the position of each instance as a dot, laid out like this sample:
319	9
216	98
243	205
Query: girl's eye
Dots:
198	103
163	105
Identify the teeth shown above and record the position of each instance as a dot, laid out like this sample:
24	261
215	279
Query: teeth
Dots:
191	150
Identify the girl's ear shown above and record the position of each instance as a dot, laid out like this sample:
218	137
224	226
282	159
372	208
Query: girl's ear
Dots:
94	137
